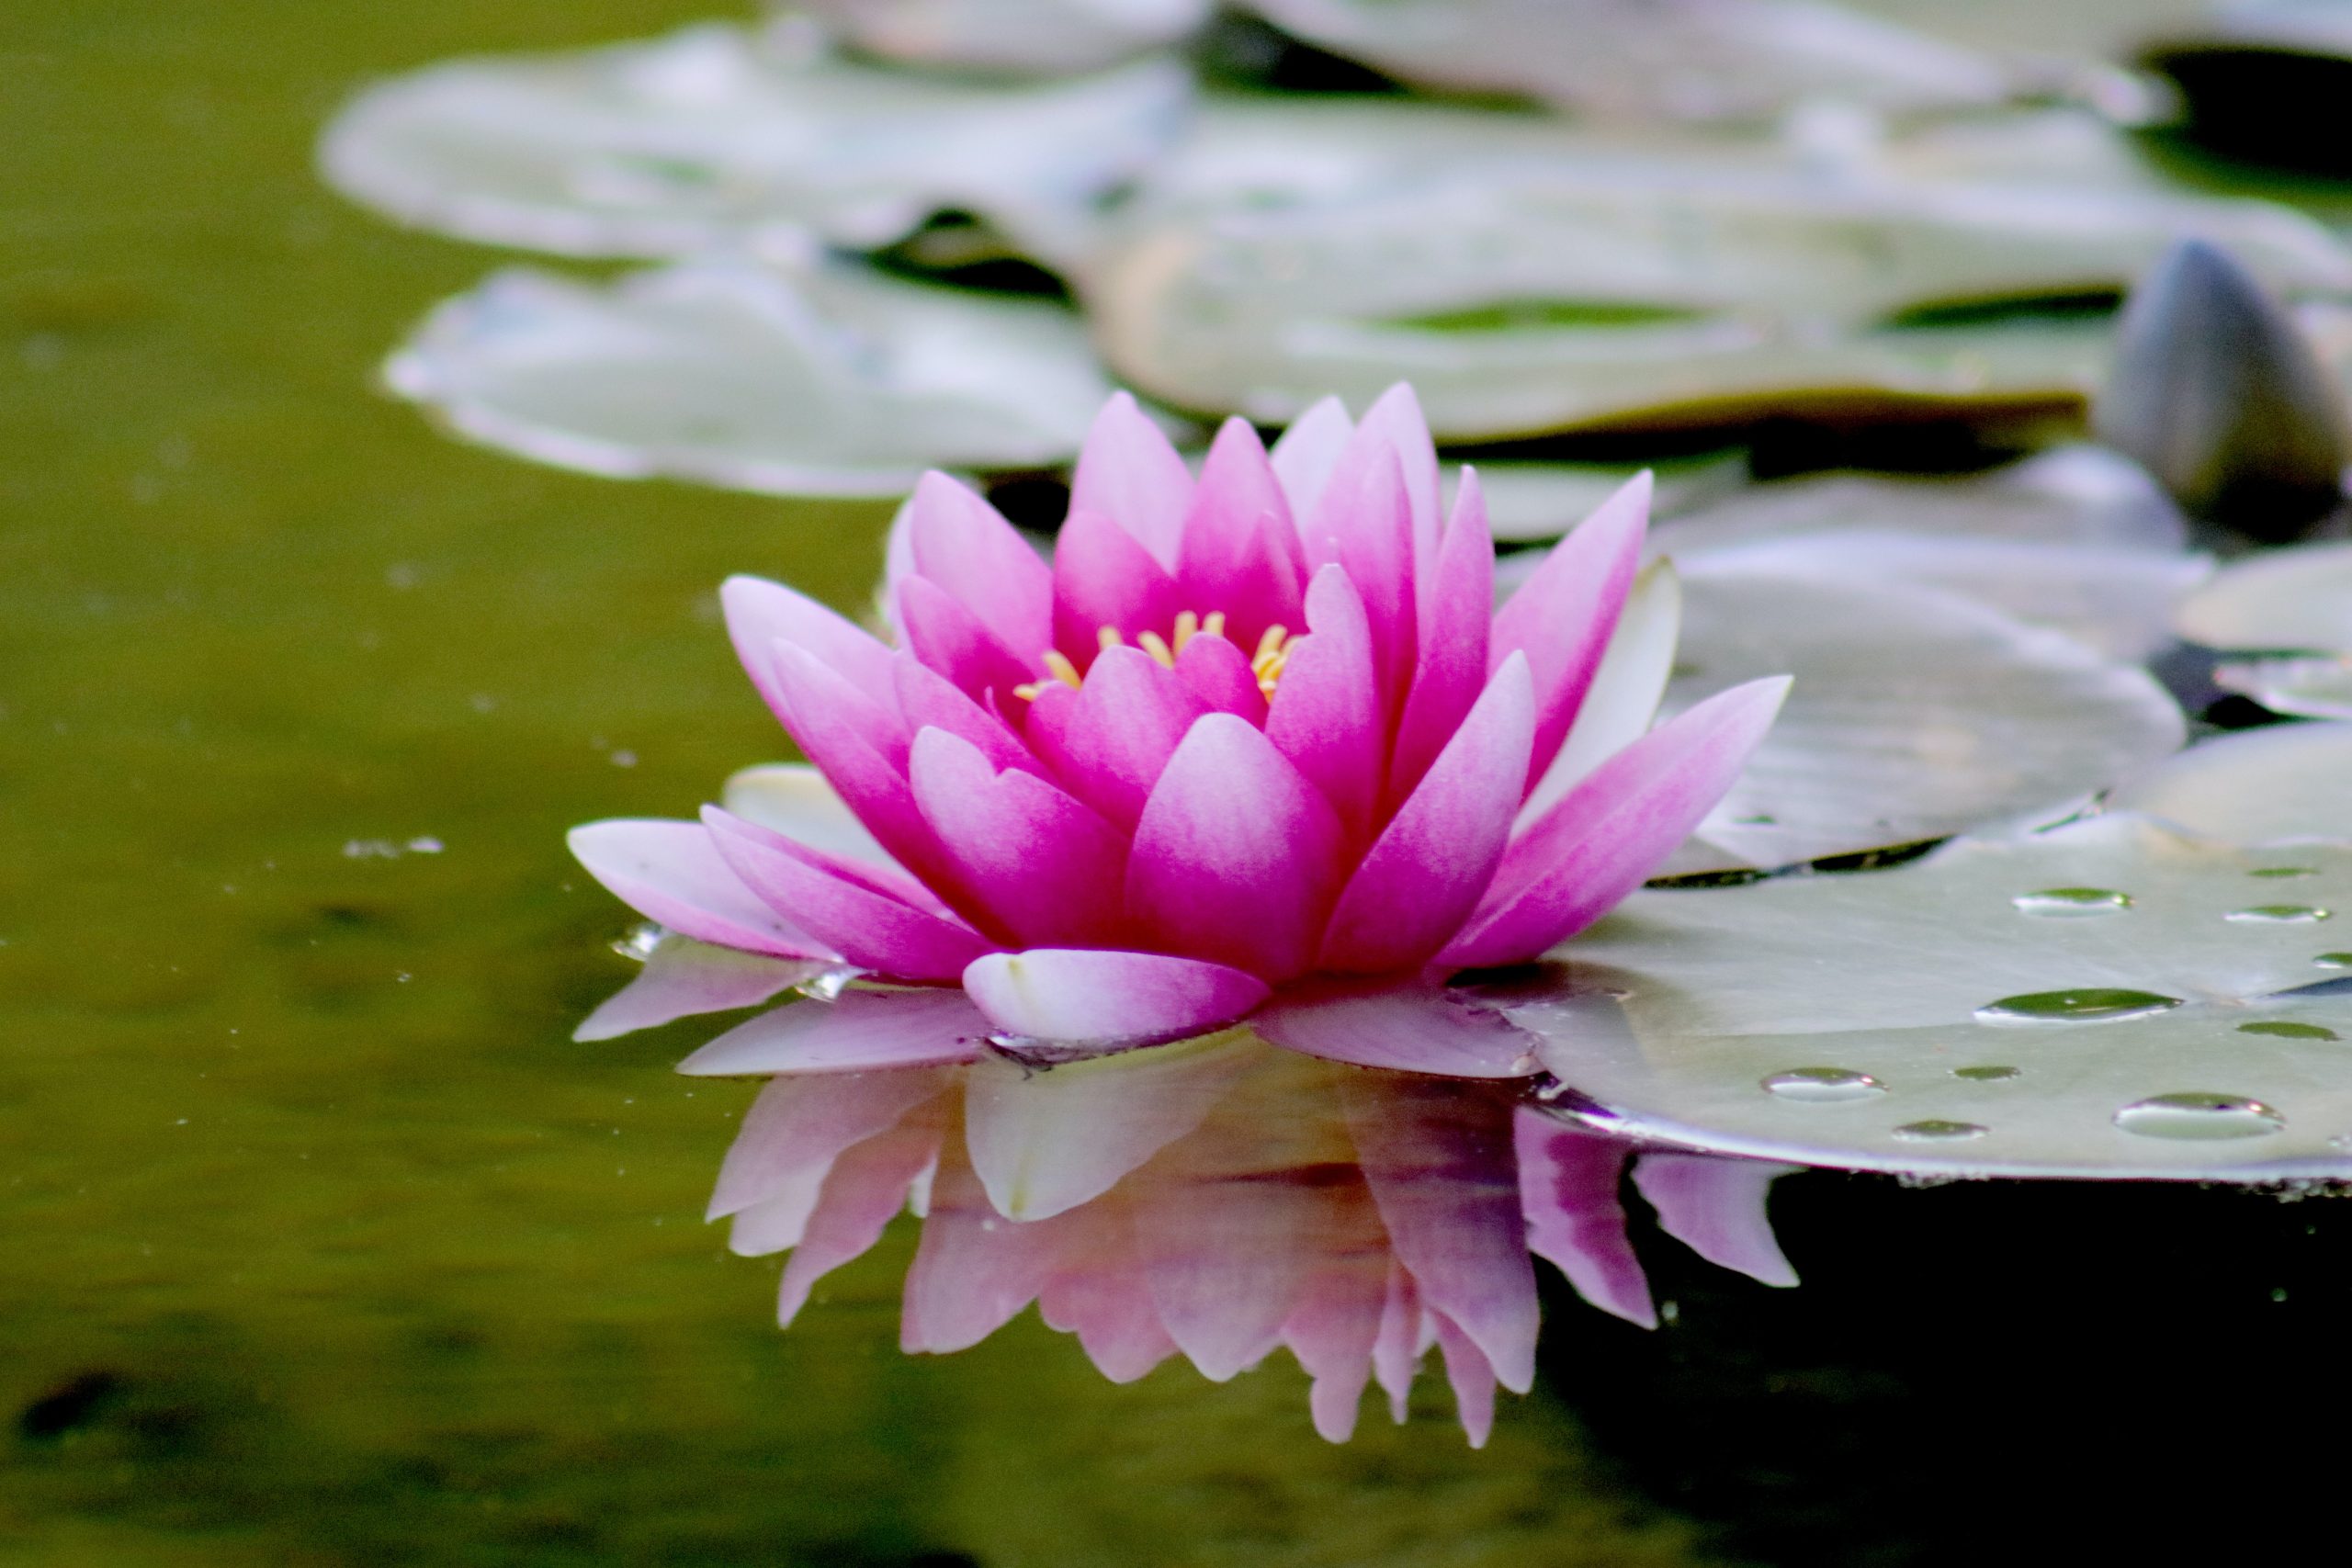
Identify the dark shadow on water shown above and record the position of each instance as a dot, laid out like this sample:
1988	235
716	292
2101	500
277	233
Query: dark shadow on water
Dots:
1990	1370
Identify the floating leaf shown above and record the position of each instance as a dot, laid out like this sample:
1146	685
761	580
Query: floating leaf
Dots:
2290	599
1915	714
1530	277
2280	783
1993	1039
797	379
716	134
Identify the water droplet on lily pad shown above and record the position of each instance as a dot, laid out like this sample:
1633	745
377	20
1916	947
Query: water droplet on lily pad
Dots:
2089	1005
1985	1074
2284	1030
2334	960
1824	1086
2279	915
2070	901
1936	1132
2283	872
2199	1116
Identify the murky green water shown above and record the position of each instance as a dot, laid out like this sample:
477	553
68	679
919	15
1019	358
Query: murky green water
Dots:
324	1245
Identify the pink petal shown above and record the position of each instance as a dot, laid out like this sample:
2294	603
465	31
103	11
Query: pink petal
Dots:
897	563
1128	472
1716	1207
1110	740
1326	716
1335	1326
1365	526
931	701
671	872
1409	1027
1235	857
1396	1354
1103	577
947	636
1395	423
973	1271
1563	616
759	613
1045	1141
1610	832
797	1126
966	546
1457	603
1048	869
1473	1379
864	1191
1093	995
1431	864
1097	1291
683	977
1219	674
1305	454
860	1031
1568	1191
1241	554
874	924
794	799
1441	1168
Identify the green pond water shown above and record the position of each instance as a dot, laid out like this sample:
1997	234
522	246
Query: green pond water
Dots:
324	1243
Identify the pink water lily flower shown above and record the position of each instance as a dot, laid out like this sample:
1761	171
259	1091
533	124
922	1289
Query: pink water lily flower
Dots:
1254	746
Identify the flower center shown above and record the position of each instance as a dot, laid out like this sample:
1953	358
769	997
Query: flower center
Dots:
1266	663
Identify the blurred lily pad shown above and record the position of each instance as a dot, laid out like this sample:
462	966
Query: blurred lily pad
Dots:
716	133
2108	998
1915	714
2293	607
1530	276
812	378
2275	784
1025	35
1699	60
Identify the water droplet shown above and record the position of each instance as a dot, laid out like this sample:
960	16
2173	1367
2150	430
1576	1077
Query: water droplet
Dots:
640	941
2285	1031
2090	1005
2199	1116
2334	960
2279	915
1824	1086
1984	1075
827	985
2073	901
1939	1132
2283	872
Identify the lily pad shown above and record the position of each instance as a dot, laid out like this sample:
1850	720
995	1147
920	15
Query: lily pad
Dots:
1530	277
1940	1018
1683	60
795	378
717	134
1915	714
1023	36
2280	783
2298	599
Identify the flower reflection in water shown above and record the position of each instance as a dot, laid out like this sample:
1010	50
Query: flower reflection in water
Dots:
1217	1199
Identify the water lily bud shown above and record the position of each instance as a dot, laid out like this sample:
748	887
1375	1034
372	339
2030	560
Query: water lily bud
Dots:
2219	395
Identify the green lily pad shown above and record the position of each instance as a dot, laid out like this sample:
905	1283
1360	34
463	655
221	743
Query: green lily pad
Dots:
1921	1019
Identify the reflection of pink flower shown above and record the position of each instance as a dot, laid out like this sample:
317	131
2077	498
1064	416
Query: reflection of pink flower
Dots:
1217	1199
1260	738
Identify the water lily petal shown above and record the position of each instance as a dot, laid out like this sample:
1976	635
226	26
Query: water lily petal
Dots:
799	1125
1563	616
872	921
1304	455
1096	1289
1042	1141
1410	1027
1396	1354
672	873
1364	526
1220	675
973	1272
1104	576
858	1031
1326	714
1241	554
947	636
1440	1164
1430	866
1472	1379
1568	1193
795	800
683	977
1249	888
1625	692
1130	473
864	1191
1716	1208
931	701
1457	596
965	545
1049	870
1077	994
1110	740
1612	830
760	614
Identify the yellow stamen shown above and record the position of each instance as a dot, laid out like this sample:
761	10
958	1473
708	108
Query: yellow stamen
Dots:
1272	655
1214	625
1266	664
1157	646
1058	665
1269	643
1188	625
1107	637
